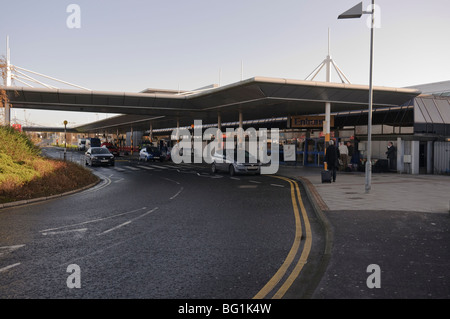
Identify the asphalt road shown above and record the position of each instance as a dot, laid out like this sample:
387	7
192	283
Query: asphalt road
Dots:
155	230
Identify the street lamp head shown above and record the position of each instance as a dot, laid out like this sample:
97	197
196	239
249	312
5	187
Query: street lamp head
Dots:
353	13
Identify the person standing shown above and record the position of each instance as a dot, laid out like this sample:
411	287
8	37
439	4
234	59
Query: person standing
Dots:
392	156
350	151
343	151
332	159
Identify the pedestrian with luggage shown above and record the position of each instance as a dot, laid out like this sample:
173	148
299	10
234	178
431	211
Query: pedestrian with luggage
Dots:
332	159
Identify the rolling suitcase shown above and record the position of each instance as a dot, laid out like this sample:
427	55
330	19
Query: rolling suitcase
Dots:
326	176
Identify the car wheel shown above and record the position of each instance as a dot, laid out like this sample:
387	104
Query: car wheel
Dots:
213	168
232	171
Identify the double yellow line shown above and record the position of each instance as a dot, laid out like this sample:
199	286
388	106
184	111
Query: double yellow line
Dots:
275	280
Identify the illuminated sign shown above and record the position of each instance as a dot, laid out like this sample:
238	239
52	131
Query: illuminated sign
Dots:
306	121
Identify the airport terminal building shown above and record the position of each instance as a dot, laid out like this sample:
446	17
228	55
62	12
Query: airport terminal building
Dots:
416	119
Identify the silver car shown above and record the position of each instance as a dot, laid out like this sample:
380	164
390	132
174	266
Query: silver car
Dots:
230	163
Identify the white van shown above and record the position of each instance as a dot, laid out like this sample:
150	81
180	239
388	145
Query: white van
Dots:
81	144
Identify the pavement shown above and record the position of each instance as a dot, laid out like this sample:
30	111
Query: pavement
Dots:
402	226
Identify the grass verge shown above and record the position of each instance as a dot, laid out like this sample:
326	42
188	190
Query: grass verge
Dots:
25	174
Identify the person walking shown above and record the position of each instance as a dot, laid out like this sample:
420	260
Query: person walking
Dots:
392	156
343	151
332	159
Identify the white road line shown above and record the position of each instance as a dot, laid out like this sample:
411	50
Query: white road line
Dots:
105	182
132	168
93	220
146	167
256	182
9	267
7	249
12	247
171	180
157	166
64	231
277	185
128	222
178	193
119	169
116	227
235	178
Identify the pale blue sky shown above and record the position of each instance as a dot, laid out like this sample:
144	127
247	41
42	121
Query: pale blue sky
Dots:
132	45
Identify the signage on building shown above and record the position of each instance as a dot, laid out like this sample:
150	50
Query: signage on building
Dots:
289	152
305	121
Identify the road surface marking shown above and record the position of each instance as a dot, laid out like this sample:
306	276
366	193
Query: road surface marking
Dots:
291	255
171	180
105	182
305	253
128	222
160	167
277	185
14	247
146	167
9	267
178	193
256	182
132	168
93	220
64	231
7	249
295	196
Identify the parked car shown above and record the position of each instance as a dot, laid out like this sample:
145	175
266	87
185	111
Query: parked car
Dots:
148	153
222	162
99	156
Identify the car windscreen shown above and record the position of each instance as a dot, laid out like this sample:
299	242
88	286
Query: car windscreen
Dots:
152	149
100	150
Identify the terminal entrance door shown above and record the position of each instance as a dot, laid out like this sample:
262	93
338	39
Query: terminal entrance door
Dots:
314	152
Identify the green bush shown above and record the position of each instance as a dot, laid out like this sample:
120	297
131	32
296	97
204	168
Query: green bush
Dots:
25	174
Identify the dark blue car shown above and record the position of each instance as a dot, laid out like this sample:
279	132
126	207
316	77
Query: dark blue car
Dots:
150	153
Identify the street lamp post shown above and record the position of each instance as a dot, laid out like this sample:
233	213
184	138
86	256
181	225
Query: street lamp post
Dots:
65	139
357	12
